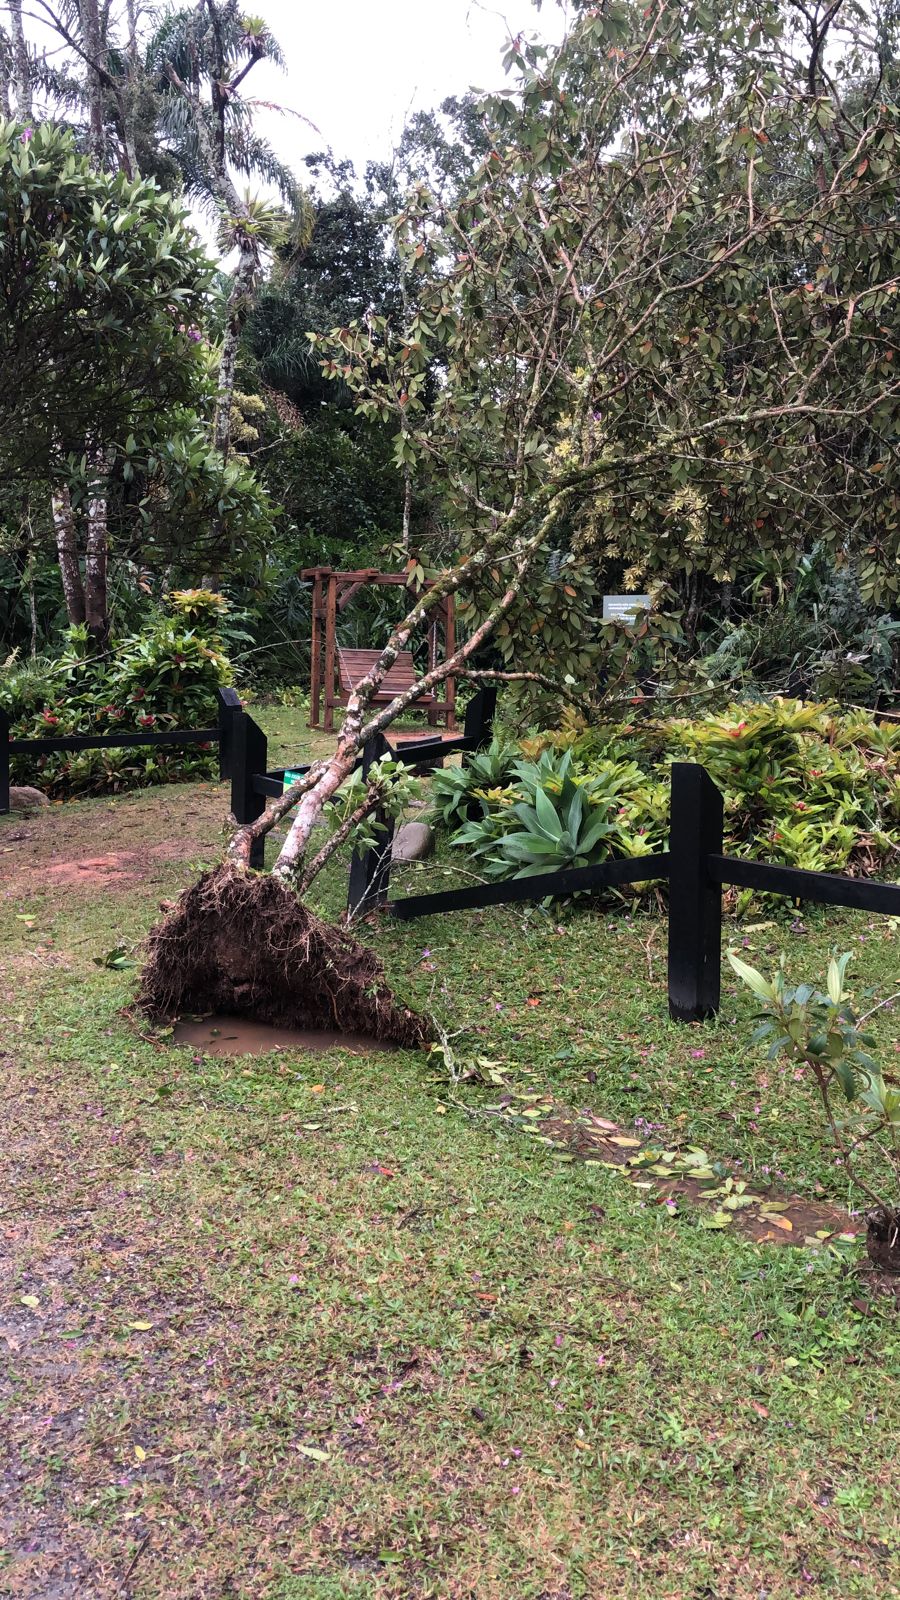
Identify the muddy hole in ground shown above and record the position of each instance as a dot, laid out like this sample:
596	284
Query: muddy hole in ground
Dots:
245	1036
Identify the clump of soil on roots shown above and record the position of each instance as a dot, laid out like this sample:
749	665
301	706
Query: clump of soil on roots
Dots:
244	943
883	1239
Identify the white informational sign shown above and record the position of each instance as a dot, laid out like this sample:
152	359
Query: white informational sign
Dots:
624	607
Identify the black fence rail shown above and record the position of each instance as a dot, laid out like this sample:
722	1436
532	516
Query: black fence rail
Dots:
230	716
252	784
694	867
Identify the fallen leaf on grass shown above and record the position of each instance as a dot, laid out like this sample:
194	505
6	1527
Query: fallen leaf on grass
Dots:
312	1453
140	1452
30	1300
625	1144
141	1327
778	1221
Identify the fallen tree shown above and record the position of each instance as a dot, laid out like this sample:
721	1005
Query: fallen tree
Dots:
666	286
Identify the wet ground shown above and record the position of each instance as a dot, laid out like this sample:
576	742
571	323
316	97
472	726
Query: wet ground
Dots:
242	1036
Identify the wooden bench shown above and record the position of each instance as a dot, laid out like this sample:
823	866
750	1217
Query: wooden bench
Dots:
353	665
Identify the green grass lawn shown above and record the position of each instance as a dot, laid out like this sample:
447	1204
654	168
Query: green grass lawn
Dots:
321	1327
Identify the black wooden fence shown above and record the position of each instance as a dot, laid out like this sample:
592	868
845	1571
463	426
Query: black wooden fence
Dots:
694	865
230	717
695	868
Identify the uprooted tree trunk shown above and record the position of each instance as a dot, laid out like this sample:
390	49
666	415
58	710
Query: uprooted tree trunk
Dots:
243	942
238	942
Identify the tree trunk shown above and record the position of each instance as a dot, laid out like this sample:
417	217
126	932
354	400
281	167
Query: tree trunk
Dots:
407	507
6	75
336	771
129	103
96	613
21	64
692	613
95	53
239	302
32	606
67	554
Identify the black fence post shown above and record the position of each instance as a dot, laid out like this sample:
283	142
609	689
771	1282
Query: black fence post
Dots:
370	869
479	720
4	762
249	759
229	703
695	899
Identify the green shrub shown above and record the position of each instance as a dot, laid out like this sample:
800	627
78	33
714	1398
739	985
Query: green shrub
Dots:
821	1034
803	785
461	794
164	677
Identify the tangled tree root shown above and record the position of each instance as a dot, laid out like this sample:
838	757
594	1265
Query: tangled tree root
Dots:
244	943
883	1238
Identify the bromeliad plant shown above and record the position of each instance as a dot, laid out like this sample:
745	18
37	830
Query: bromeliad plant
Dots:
561	820
822	1033
805	786
463	794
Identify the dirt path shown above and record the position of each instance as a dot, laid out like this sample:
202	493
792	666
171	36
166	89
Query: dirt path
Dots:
100	1331
106	844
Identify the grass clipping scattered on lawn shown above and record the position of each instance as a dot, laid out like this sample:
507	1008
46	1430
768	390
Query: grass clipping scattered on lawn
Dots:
244	943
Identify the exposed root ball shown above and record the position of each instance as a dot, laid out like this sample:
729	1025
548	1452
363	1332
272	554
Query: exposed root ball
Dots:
242	943
883	1238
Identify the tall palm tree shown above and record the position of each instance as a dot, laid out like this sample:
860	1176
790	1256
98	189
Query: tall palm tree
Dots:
173	108
199	59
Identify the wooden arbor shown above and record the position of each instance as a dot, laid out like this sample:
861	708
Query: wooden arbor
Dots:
337	670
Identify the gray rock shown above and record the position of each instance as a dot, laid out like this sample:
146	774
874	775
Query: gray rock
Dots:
26	799
414	841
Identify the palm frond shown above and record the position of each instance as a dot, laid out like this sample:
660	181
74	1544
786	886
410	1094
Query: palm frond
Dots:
253	157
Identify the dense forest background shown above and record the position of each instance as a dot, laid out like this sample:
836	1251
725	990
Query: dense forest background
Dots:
220	457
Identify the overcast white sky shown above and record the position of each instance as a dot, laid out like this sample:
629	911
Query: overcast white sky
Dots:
356	68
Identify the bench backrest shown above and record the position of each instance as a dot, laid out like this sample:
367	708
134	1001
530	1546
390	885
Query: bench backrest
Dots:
354	664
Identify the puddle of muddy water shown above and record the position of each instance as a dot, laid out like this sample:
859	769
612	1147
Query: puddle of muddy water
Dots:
243	1036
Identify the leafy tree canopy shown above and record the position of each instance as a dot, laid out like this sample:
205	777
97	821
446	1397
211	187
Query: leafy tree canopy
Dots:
663	306
343	273
108	376
103	293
